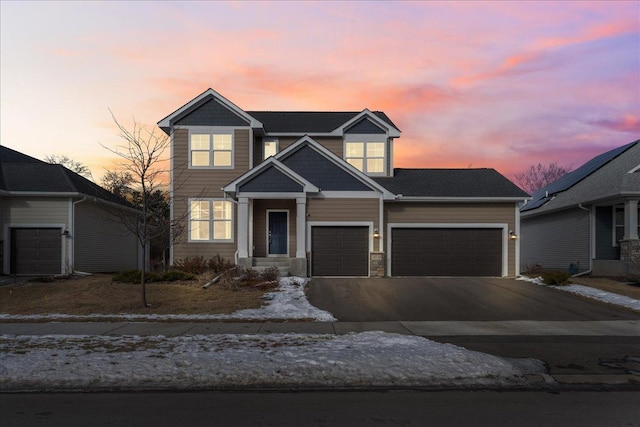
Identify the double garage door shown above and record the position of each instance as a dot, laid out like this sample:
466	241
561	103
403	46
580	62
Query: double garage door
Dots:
344	251
36	251
446	252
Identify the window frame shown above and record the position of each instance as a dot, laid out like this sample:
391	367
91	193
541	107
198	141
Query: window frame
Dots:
211	221
615	225
367	139
211	132
264	147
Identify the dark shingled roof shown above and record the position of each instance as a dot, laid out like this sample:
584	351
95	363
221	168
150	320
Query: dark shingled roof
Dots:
19	172
303	122
450	183
545	194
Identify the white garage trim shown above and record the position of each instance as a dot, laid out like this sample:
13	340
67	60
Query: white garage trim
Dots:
503	226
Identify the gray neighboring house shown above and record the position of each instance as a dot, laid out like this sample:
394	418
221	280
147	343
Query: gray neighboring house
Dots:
316	193
54	221
588	218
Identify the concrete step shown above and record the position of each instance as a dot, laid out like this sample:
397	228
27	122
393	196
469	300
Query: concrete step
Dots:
282	271
268	262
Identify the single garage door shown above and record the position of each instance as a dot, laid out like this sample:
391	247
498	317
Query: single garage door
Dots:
36	251
340	251
446	252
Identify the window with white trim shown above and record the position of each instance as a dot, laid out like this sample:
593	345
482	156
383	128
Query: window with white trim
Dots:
210	220
618	224
211	150
366	156
270	148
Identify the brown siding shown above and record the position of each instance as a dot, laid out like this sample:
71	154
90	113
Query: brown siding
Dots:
204	183
344	210
502	213
260	224
335	145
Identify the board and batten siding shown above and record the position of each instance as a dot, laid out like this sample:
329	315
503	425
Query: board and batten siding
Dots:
206	184
260	208
556	240
456	213
102	243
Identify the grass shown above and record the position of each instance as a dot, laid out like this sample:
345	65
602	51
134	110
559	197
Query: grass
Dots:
609	285
98	294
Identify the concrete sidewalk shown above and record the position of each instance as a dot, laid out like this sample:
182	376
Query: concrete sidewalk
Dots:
606	328
578	354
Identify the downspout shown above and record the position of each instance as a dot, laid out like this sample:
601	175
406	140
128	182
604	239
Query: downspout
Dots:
224	196
590	243
73	237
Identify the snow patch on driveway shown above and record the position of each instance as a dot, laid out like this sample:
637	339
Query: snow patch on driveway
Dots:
369	359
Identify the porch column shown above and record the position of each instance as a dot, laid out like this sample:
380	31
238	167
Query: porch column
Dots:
301	229
243	227
631	220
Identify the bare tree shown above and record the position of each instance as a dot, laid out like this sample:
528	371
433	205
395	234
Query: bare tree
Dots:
70	164
142	159
540	175
119	183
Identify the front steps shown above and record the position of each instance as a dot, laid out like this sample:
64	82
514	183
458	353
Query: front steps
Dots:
262	263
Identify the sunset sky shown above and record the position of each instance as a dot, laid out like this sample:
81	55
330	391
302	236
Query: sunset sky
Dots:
470	84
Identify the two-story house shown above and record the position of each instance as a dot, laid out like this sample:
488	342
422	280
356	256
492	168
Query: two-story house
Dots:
317	193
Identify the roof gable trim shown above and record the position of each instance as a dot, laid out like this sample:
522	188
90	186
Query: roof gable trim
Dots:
367	114
234	186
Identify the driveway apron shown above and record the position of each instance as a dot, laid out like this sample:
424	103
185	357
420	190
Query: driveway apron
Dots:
453	299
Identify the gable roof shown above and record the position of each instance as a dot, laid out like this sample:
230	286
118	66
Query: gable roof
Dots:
20	173
270	176
311	122
451	184
546	194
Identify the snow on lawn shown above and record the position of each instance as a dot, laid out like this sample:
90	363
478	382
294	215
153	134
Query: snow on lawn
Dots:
287	302
369	359
592	293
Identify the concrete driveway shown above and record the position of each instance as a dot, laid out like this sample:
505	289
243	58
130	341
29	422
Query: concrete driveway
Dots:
453	299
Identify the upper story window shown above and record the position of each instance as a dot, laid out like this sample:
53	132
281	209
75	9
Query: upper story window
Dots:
210	220
270	148
367	156
211	150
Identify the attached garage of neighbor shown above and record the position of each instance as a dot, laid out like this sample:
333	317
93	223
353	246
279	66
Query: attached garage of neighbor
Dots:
447	252
36	251
339	251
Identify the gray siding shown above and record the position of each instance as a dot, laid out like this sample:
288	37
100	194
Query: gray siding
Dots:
556	240
604	234
322	172
102	242
32	210
271	180
211	113
365	126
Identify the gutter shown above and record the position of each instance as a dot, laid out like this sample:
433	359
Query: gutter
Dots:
73	234
590	244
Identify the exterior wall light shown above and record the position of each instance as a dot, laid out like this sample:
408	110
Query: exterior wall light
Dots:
512	235
376	233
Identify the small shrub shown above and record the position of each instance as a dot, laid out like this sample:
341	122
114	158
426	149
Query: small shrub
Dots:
270	274
194	265
174	275
532	269
218	264
556	278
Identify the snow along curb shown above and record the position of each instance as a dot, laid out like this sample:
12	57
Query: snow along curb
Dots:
357	360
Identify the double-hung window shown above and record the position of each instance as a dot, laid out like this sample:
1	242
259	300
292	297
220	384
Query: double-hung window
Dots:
211	150
210	220
618	224
270	147
366	156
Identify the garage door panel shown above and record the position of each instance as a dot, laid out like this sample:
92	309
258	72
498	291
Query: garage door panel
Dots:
446	252
36	251
339	251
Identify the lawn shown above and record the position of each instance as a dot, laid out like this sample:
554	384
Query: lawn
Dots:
98	294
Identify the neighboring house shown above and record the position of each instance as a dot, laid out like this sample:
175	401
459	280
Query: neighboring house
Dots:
54	221
316	193
588	218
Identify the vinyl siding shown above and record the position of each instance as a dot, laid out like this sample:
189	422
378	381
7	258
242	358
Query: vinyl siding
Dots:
456	213
42	210
260	224
556	240
344	210
102	242
204	183
335	145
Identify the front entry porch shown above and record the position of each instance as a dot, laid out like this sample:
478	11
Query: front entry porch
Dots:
268	234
